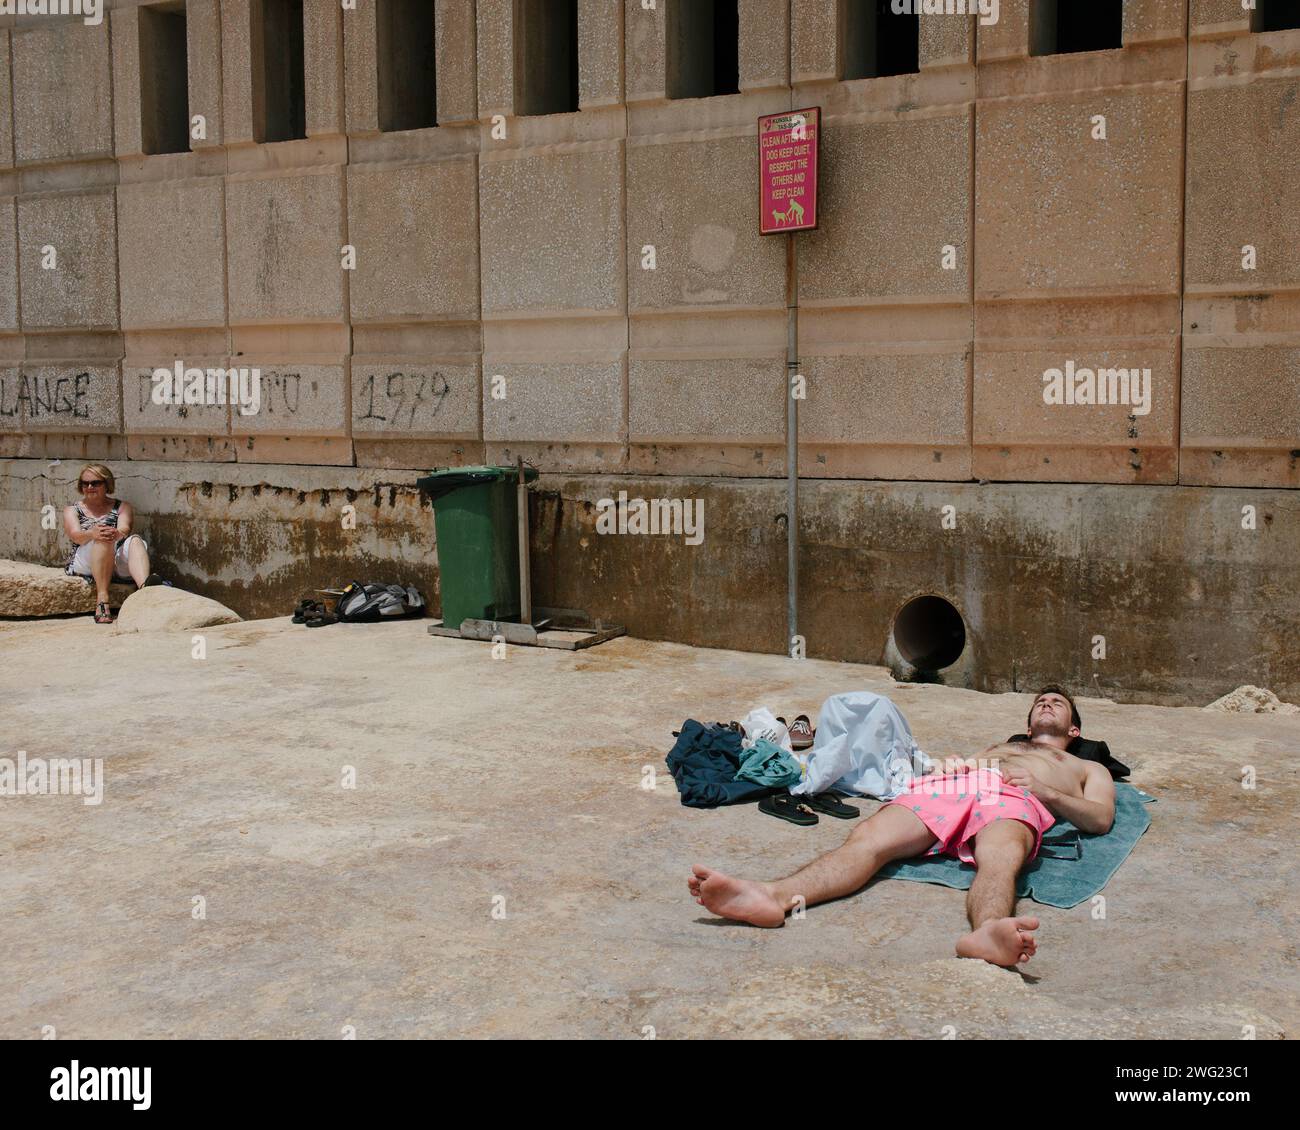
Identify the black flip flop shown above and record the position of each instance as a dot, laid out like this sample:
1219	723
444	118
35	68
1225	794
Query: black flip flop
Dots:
831	804
788	808
307	608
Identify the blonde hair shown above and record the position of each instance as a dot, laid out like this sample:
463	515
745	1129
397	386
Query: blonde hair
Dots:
100	472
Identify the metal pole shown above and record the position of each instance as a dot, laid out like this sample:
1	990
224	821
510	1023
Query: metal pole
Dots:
791	440
525	574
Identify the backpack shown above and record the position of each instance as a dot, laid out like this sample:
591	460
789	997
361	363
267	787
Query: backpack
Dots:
367	603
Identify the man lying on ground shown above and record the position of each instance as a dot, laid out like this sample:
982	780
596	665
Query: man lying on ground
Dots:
993	818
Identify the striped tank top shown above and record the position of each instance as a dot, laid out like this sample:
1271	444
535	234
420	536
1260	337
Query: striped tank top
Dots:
85	521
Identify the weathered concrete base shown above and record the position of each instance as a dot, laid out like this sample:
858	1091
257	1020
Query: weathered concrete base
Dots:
32	591
1137	593
1161	593
515	785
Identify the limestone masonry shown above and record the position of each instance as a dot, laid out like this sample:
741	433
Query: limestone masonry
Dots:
1055	290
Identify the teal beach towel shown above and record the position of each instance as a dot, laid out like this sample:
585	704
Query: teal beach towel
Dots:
1071	866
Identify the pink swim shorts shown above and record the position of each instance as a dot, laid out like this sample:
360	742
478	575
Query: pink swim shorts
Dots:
956	806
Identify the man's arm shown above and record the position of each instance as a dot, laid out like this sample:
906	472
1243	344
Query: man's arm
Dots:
1094	812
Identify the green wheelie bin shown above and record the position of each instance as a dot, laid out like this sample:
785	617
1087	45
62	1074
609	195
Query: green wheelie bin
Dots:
476	519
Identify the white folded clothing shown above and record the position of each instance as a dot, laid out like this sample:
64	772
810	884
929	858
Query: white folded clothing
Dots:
863	745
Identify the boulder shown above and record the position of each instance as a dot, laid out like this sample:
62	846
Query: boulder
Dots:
31	591
1252	700
161	608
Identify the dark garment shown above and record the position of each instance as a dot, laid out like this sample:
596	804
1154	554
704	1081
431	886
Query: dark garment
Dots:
1087	750
704	763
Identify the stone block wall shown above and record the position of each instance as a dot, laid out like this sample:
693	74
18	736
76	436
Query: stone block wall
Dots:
588	288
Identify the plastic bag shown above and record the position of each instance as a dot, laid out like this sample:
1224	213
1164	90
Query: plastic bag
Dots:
761	723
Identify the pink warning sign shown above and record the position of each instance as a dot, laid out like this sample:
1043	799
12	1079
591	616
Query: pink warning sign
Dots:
787	171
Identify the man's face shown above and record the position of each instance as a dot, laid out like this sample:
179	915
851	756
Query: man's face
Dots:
1051	716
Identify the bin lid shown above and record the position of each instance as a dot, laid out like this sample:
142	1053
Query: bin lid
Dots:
439	482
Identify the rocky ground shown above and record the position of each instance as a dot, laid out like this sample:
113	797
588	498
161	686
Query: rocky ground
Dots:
499	870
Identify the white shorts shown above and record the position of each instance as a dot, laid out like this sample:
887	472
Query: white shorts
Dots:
80	564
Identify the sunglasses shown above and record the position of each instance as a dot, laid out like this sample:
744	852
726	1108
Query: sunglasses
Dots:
91	483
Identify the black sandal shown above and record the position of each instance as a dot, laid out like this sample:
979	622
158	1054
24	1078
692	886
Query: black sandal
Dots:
103	614
831	804
307	608
789	808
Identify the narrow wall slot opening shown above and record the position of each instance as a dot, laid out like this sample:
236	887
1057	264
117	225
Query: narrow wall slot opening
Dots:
279	89
877	41
1275	15
546	57
164	80
1064	27
703	48
408	89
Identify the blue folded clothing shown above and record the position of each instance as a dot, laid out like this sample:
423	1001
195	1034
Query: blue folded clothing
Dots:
766	763
704	763
1071	866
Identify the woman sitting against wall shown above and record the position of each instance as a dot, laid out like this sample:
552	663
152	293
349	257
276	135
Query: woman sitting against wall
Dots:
104	548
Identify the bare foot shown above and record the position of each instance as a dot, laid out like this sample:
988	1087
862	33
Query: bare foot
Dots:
739	899
1003	941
